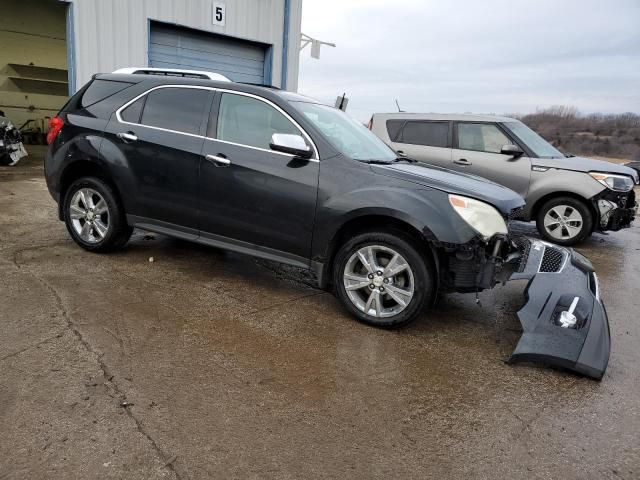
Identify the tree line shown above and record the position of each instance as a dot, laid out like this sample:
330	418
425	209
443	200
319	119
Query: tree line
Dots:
594	134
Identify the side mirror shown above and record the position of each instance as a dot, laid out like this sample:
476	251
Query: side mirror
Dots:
292	144
512	150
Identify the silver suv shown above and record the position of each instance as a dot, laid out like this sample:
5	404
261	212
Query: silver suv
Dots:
568	197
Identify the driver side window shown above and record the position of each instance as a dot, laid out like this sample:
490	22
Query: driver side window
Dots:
481	137
248	121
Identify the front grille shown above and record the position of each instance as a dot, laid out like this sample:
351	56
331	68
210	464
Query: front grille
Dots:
524	245
515	214
552	260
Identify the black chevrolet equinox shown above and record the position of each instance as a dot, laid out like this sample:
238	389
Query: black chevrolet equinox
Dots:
280	176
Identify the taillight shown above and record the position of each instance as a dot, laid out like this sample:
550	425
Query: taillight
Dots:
370	125
55	125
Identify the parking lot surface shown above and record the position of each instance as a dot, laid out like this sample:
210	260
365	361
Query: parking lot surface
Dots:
209	364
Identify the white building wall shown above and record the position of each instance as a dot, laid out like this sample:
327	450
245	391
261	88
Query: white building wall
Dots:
111	34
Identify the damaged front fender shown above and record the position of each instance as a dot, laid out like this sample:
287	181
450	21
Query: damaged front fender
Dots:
564	320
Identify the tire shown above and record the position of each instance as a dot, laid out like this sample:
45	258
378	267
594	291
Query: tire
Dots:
418	277
105	229
559	217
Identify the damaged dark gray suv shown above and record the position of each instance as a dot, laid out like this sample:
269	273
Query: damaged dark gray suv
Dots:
282	177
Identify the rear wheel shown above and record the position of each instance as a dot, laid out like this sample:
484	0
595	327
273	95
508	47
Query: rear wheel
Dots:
564	220
94	217
383	279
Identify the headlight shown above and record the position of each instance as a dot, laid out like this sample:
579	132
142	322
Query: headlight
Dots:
618	183
480	216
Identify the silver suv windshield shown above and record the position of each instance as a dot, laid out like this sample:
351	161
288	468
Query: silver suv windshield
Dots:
346	134
538	145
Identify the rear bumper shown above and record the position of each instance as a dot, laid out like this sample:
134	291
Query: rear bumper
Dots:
557	276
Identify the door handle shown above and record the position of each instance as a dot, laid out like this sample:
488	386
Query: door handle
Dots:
401	153
218	160
127	137
462	161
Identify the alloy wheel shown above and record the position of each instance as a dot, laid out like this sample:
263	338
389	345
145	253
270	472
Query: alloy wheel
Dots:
378	281
563	222
89	215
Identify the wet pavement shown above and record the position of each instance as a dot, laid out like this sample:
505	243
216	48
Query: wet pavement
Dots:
208	364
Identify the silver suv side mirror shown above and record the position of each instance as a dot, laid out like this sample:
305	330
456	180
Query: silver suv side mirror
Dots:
292	144
513	150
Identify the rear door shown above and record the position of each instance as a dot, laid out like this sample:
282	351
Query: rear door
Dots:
260	198
426	141
477	147
160	136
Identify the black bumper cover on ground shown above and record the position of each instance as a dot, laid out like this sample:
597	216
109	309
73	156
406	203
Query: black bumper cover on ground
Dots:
556	276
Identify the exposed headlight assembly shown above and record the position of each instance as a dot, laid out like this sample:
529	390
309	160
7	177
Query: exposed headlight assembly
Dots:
617	183
480	216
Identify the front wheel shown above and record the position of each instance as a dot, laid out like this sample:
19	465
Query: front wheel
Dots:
383	279
564	220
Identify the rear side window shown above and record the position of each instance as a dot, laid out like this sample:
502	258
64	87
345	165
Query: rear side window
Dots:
394	128
178	109
252	122
431	134
132	113
101	89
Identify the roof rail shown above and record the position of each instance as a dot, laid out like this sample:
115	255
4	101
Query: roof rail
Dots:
174	72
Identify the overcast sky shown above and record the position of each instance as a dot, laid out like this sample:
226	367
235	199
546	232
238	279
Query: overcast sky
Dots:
481	56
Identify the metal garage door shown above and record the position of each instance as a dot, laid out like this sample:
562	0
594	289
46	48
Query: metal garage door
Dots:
175	47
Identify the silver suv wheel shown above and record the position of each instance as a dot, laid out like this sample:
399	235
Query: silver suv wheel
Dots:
89	215
563	222
378	281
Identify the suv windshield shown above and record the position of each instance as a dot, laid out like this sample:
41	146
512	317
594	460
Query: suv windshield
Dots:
346	134
538	145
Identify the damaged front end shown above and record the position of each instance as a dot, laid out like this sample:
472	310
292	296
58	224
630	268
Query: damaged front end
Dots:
564	321
616	209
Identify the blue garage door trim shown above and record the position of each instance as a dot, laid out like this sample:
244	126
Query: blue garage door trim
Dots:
177	47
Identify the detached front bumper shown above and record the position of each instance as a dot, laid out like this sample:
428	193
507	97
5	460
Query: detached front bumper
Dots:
578	339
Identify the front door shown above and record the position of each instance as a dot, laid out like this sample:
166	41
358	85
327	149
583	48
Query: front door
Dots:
160	137
250	194
477	149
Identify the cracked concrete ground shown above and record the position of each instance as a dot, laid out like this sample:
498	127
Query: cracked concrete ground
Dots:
206	364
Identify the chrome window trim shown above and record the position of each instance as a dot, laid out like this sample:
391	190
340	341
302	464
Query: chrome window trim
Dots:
135	99
199	87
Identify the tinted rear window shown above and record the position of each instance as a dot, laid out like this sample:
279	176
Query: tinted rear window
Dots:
393	129
101	89
179	109
432	134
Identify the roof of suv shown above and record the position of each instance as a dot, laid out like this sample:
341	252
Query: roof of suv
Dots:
445	116
261	90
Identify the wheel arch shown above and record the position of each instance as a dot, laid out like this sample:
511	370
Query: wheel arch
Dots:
537	206
376	222
83	168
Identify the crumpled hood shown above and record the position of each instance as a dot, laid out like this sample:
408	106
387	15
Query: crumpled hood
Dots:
581	164
504	199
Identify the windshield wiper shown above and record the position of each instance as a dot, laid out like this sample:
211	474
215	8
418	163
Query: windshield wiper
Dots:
404	159
376	162
387	162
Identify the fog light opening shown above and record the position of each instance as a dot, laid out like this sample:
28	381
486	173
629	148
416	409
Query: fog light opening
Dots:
567	319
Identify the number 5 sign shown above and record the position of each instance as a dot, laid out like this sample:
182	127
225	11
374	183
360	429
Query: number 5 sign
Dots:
219	13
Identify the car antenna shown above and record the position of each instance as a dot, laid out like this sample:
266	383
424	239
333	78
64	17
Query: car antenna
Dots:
398	105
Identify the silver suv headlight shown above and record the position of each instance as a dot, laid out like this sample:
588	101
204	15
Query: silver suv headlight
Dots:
480	216
617	183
